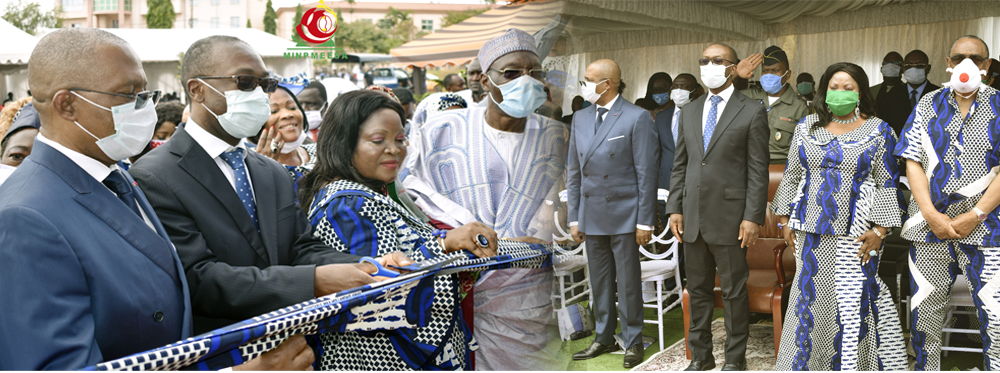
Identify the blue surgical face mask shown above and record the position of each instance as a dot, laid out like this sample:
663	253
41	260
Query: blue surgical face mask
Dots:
521	96
661	98
772	83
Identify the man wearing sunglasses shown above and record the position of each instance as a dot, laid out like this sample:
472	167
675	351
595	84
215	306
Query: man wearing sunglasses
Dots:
88	271
496	165
899	103
231	213
949	146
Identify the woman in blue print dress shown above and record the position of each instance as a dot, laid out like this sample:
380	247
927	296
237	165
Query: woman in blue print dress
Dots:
837	202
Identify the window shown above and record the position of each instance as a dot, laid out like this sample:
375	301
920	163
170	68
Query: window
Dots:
73	6
215	22
114	23
100	5
427	25
128	5
194	2
194	23
234	22
215	2
234	2
76	25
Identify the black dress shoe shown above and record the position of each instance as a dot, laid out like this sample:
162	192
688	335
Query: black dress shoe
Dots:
633	355
595	350
699	365
741	366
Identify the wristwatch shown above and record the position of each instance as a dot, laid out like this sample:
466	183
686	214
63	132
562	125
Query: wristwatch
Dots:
979	214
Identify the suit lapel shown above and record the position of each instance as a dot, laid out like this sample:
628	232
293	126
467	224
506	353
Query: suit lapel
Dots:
733	108
267	207
610	118
695	125
196	162
670	128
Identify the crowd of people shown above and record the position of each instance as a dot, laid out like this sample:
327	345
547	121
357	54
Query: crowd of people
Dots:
129	220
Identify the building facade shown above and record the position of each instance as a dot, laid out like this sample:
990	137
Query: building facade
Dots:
427	17
203	14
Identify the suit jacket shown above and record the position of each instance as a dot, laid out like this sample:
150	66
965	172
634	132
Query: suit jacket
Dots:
717	189
612	174
235	273
82	278
664	122
894	106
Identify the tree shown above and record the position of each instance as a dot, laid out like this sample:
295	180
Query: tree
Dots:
249	25
29	16
270	26
454	17
161	14
298	13
394	17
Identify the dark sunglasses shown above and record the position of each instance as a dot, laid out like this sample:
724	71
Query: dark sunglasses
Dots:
248	83
511	74
140	98
716	60
958	58
897	63
915	65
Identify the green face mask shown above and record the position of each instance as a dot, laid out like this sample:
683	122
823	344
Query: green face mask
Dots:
841	103
805	88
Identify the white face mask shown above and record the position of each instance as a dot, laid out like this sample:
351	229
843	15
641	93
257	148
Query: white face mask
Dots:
133	129
589	91
966	77
246	112
914	75
891	70
714	76
680	96
290	146
314	118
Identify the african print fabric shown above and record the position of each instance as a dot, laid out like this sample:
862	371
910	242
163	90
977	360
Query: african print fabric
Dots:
933	268
840	314
297	172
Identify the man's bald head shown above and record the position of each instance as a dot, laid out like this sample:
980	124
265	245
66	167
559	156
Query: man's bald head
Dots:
892	57
605	72
608	69
71	58
201	57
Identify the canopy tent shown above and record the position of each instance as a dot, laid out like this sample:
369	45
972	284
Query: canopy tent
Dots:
363	58
17	47
458	44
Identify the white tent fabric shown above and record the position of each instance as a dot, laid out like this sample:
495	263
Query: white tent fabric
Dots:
17	44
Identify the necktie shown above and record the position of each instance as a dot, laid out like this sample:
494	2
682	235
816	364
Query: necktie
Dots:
235	160
117	183
676	125
913	99
600	118
713	118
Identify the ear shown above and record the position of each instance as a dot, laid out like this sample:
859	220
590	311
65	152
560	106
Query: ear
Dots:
927	69
197	91
485	82
62	103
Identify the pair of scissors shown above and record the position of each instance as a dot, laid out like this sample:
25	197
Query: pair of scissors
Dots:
380	270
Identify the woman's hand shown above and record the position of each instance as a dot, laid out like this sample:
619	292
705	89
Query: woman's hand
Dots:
786	232
264	145
464	238
940	224
964	224
871	241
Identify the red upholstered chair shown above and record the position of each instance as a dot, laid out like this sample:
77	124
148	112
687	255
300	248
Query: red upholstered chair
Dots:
772	269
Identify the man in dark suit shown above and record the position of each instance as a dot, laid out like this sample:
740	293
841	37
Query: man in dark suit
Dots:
88	273
613	152
899	103
247	247
717	203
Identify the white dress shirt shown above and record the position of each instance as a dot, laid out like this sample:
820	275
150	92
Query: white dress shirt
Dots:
608	107
725	94
920	90
92	167
214	146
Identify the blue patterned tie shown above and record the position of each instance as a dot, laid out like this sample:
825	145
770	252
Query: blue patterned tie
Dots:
118	184
600	118
235	160
713	118
676	125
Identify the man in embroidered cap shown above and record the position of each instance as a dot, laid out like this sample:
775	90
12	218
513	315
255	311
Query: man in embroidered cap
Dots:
784	106
496	164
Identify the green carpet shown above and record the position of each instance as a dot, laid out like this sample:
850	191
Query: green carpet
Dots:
673	331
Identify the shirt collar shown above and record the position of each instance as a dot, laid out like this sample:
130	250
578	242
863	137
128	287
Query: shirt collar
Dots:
212	145
610	103
91	166
725	94
919	89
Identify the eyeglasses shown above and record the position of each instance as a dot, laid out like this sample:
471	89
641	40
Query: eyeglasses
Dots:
915	65
716	60
511	74
140	98
897	63
958	58
248	83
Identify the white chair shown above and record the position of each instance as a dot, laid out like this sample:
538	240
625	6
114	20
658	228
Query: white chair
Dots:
566	263
960	297
658	268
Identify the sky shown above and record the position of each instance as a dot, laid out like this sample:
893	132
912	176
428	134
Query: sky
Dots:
47	5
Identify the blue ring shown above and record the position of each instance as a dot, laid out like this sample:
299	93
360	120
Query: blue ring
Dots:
482	241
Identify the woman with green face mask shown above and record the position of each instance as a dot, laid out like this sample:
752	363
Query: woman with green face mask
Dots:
836	204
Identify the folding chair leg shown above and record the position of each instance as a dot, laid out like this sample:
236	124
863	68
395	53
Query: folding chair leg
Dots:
659	309
947	335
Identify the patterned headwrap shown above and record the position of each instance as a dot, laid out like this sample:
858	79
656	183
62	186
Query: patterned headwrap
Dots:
512	40
382	88
295	83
